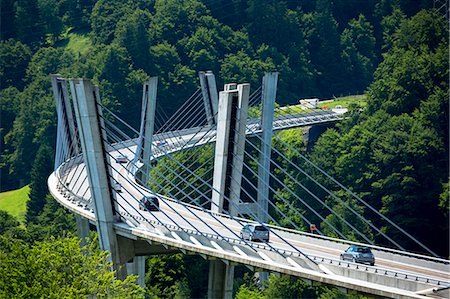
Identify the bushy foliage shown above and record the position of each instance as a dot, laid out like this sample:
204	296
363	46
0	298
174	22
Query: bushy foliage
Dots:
59	268
395	156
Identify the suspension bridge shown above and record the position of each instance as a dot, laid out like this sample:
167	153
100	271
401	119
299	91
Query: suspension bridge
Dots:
104	167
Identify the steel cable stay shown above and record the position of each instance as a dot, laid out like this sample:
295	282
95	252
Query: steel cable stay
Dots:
282	213
219	236
231	216
291	192
184	124
348	191
187	118
277	209
69	180
140	191
189	104
356	197
246	192
329	192
160	120
61	142
183	107
237	220
255	97
301	200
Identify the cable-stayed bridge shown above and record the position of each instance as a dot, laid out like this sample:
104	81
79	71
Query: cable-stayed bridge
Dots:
210	165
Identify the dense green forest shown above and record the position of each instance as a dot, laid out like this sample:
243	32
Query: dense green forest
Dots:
393	153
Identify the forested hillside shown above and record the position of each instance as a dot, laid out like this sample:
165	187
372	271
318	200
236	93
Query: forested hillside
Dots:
321	48
393	153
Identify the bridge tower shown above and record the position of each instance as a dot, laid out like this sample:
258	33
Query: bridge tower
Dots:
67	140
144	150
228	163
91	130
210	97
81	131
269	91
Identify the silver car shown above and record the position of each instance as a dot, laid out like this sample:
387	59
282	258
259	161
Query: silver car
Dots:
359	254
254	232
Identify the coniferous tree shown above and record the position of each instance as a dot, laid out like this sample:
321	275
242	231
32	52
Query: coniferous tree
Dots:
42	167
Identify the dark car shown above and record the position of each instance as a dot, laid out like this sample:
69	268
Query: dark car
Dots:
254	232
359	254
122	159
149	203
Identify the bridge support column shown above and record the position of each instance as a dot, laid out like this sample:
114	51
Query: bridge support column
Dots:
144	150
220	280
228	163
269	90
210	97
82	229
137	267
91	129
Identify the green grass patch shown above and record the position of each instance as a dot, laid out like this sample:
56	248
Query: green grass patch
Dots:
360	100
77	42
15	202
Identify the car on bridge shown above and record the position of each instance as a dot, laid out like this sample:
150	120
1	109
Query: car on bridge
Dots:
122	159
358	254
255	232
149	203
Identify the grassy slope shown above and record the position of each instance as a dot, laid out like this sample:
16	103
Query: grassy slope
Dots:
361	100
77	42
15	202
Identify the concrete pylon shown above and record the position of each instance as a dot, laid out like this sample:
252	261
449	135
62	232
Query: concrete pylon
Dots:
210	97
67	140
137	267
144	150
67	143
82	229
228	163
269	91
92	135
